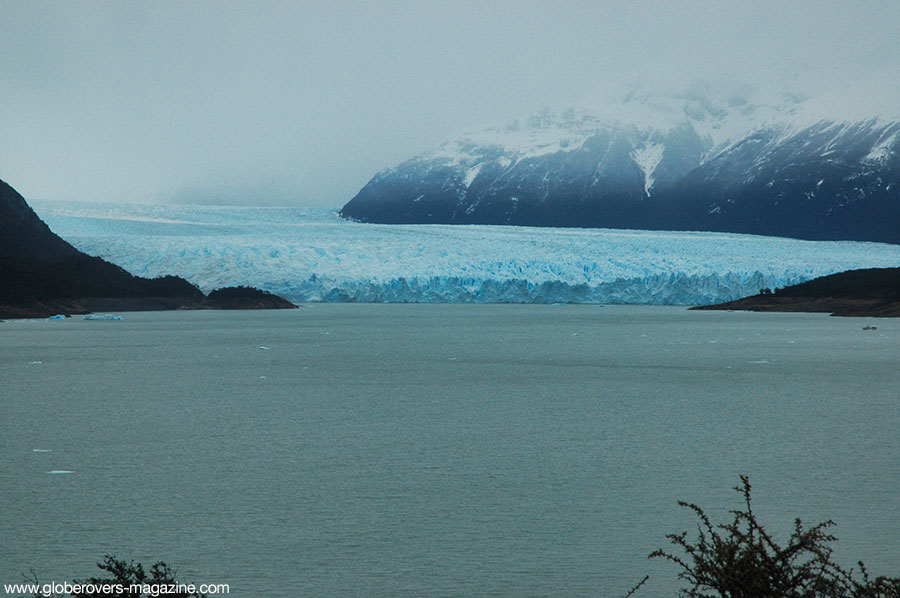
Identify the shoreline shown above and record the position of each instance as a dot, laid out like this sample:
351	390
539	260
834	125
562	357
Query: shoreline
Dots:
230	298
839	307
869	292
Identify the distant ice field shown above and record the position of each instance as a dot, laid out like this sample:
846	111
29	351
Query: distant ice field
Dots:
310	254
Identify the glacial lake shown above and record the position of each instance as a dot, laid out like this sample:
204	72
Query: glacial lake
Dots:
449	450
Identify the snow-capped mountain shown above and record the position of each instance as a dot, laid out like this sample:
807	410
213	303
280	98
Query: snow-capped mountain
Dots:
709	158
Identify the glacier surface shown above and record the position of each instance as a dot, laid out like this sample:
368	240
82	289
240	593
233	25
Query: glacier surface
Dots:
306	254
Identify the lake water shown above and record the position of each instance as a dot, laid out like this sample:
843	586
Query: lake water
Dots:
408	450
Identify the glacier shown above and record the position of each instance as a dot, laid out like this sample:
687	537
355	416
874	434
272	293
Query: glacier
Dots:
311	254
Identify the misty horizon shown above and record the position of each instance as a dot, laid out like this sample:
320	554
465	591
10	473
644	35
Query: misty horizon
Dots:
280	104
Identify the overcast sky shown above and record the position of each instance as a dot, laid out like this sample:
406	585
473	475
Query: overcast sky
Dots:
299	102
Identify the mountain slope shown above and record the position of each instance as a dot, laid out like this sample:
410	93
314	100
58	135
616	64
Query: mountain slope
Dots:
24	234
697	160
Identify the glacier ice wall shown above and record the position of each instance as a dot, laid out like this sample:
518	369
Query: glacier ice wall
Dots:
312	255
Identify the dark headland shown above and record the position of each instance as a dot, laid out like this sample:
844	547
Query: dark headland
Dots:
872	292
42	275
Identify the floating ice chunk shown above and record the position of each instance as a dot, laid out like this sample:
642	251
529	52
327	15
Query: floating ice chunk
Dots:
57	317
60	471
107	317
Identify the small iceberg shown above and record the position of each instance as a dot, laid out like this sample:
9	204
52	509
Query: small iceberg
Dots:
101	317
57	317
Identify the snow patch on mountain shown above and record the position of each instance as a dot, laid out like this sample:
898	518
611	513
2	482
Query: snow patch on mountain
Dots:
884	148
544	134
471	174
648	157
720	114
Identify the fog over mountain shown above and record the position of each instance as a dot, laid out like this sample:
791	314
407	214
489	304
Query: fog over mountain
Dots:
302	103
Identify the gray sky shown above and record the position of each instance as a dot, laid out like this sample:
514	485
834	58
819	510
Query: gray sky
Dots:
293	102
